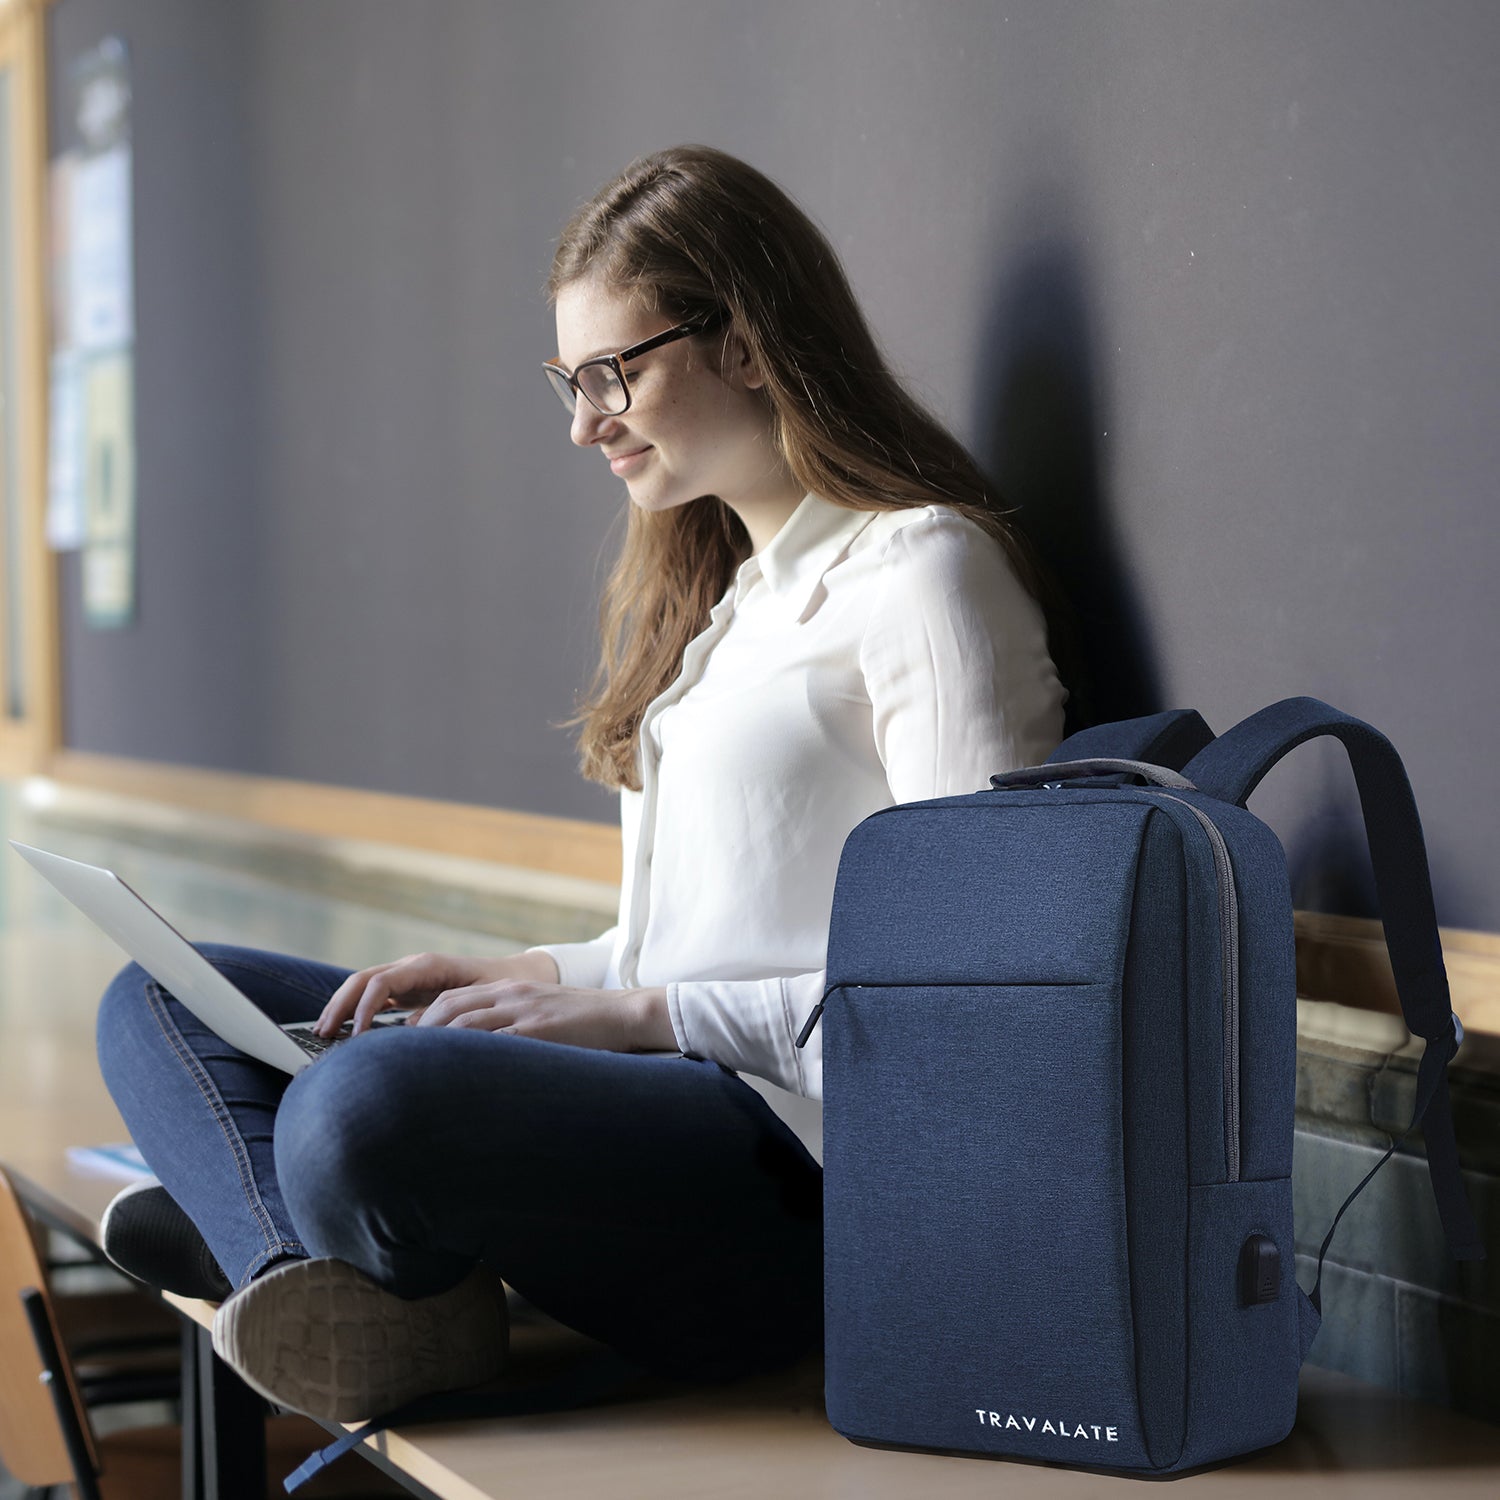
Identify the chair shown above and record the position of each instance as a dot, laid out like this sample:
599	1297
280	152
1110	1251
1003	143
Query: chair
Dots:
33	1446
46	1435
125	1344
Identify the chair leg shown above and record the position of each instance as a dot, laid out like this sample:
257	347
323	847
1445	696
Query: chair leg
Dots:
56	1378
191	1420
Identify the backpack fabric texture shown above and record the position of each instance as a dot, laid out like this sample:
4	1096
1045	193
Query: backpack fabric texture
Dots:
1059	1064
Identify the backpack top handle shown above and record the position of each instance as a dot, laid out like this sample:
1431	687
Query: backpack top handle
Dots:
1054	773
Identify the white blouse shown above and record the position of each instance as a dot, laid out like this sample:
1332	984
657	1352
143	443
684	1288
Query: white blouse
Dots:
860	659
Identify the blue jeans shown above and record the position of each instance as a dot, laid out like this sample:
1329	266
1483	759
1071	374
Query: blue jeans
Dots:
655	1203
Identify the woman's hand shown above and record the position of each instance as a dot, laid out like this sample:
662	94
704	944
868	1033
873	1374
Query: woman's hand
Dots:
417	980
502	994
608	1020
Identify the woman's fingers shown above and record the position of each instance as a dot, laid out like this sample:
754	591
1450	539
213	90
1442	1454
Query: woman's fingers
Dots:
463	1006
441	992
549	1013
377	995
485	1019
376	985
342	1001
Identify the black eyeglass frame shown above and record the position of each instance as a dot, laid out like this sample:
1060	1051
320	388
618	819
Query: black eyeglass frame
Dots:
568	384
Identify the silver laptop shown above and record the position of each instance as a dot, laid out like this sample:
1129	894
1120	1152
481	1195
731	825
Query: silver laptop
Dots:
173	962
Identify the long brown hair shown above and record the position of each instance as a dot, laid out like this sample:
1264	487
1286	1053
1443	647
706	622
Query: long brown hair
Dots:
692	231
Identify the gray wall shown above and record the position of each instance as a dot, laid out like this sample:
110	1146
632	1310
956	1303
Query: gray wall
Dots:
1209	287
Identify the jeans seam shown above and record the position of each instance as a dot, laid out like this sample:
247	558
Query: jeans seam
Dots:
156	999
272	1252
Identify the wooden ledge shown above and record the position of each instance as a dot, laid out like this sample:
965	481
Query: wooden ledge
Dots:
559	846
1344	959
770	1435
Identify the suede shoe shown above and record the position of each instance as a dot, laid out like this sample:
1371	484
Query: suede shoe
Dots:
321	1337
147	1236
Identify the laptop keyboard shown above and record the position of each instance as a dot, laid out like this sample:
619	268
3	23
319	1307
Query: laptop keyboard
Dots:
310	1042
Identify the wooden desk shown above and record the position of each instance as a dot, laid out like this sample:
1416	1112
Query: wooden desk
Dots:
761	1438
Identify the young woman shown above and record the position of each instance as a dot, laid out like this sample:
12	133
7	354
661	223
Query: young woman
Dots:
819	610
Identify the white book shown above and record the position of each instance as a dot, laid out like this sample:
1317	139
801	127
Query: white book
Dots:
121	1160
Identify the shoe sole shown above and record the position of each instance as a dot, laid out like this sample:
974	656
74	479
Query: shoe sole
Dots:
322	1338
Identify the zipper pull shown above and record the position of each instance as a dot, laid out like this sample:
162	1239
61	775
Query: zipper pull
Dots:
808	1024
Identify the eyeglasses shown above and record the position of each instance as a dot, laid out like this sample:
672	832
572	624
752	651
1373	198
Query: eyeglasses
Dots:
602	380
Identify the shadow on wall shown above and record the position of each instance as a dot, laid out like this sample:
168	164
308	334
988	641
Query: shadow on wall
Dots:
1041	426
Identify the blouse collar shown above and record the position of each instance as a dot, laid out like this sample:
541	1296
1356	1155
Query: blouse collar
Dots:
810	541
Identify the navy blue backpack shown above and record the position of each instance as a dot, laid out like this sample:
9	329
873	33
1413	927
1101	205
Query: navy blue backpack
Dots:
1059	1069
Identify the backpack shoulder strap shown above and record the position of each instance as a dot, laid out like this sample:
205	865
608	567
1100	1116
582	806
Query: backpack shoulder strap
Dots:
1170	739
1231	767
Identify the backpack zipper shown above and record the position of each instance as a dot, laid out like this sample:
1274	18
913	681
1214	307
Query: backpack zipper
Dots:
1229	940
1229	968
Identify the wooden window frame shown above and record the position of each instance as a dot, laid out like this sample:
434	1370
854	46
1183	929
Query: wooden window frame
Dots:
28	742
